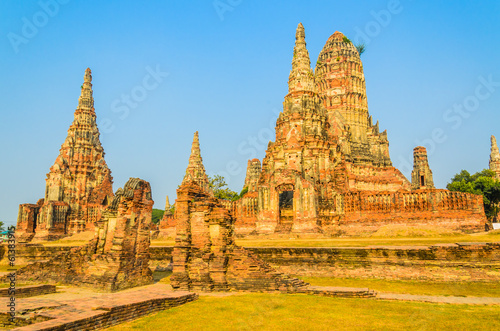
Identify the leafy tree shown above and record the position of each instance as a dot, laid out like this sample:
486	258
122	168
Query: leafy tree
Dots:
219	187
482	182
172	208
243	192
1	226
361	47
157	215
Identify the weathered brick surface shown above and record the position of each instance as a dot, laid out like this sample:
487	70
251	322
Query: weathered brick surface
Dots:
464	261
96	312
421	176
28	291
117	257
495	158
329	171
447	262
79	184
205	257
365	212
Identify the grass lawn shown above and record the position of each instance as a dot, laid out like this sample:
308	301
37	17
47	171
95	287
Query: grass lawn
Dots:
473	289
307	312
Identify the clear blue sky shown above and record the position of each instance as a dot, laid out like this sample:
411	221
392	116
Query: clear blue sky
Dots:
227	75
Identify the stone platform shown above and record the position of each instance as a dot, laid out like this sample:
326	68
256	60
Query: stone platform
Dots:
340	292
82	309
29	291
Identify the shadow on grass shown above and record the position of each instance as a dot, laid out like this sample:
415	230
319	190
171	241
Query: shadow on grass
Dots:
162	276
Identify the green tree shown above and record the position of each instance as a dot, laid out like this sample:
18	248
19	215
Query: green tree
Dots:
483	183
221	191
172	209
361	47
1	226
157	215
243	192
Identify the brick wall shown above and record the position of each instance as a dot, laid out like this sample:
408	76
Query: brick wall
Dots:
29	291
455	262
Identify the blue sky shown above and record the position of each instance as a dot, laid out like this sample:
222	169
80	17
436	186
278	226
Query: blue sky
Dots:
431	67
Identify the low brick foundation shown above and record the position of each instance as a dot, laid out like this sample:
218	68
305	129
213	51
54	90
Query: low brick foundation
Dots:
444	262
119	310
29	291
340	292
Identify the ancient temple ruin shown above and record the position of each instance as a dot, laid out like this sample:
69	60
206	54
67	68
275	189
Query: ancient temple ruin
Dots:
495	158
118	256
421	176
329	170
205	257
79	184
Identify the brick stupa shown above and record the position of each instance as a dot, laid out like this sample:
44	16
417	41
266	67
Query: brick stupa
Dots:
118	256
495	158
79	184
329	171
195	170
205	257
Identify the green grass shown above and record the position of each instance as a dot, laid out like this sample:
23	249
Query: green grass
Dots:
162	276
475	289
306	312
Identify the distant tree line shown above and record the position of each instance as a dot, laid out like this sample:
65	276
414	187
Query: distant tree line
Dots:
483	183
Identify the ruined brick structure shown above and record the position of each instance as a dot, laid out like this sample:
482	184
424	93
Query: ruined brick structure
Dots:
167	208
421	176
117	257
329	170
79	184
205	257
252	176
166	226
196	171
495	158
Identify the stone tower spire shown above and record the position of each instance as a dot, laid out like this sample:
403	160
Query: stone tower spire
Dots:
80	175
495	158
421	176
86	100
252	176
341	85
167	207
167	204
195	170
301	77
